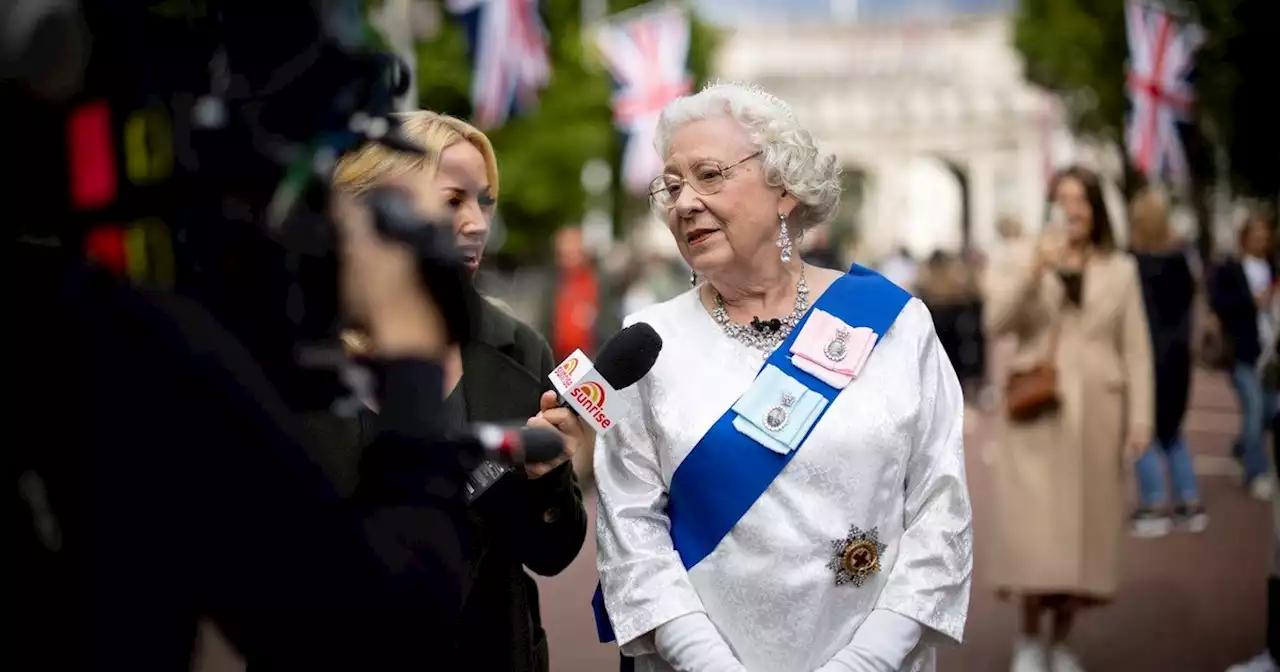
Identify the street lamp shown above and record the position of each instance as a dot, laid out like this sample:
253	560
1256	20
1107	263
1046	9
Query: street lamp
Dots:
597	225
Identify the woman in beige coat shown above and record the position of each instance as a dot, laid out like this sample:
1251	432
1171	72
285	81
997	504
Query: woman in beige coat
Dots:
1074	301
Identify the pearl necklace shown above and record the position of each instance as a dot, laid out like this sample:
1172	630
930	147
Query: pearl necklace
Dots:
764	340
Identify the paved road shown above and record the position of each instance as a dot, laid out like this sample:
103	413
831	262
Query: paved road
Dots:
1189	603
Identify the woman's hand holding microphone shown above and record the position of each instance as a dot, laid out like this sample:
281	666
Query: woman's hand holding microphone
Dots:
577	434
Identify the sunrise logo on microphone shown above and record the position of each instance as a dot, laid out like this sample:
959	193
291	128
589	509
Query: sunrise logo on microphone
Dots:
591	395
583	388
565	371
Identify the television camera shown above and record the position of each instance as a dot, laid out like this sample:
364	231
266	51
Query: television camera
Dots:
189	144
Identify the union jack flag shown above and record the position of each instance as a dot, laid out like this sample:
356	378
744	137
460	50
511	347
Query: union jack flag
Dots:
1161	57
509	64
647	55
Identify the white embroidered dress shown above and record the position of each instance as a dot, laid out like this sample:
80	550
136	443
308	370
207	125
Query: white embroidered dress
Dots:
888	455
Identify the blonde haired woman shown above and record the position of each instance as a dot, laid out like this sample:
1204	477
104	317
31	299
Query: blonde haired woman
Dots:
520	518
1168	289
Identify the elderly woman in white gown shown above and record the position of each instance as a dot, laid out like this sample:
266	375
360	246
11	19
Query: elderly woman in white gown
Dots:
786	490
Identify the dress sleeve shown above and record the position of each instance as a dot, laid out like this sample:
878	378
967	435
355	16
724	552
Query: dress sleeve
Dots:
931	577
643	580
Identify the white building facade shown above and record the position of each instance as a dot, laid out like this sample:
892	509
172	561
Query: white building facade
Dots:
936	116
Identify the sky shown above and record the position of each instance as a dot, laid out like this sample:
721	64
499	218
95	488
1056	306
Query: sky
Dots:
727	11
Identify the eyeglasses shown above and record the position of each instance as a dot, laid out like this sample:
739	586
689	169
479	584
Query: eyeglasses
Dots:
708	179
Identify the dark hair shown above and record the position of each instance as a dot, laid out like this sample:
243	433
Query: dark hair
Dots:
1102	235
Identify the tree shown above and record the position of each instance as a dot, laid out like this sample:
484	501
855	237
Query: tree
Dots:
1078	48
542	153
1237	89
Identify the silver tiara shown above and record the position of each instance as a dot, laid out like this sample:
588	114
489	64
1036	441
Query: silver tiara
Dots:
755	90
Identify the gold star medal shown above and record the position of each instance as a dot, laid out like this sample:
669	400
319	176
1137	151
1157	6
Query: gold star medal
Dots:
856	557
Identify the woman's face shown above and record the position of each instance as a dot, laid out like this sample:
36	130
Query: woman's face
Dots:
737	224
460	193
570	252
1257	239
1070	197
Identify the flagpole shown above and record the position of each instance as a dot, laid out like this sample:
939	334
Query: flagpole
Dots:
598	222
1222	197
394	19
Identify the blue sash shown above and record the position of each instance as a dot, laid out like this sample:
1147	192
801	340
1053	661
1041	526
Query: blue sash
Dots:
726	472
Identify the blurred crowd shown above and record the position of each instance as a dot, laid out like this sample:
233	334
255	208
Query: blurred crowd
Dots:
1221	316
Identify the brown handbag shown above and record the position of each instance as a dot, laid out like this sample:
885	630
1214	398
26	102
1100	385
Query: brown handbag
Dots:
1033	393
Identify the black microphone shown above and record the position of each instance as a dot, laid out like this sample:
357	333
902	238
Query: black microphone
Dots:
627	356
490	452
513	444
482	442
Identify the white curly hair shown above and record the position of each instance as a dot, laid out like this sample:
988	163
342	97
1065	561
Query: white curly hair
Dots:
791	159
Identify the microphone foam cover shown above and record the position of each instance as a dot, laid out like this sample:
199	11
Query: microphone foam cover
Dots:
628	355
541	444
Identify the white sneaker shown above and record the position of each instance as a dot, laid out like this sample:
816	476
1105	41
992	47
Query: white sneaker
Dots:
1193	518
1062	660
1149	524
1261	487
1260	663
1028	656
